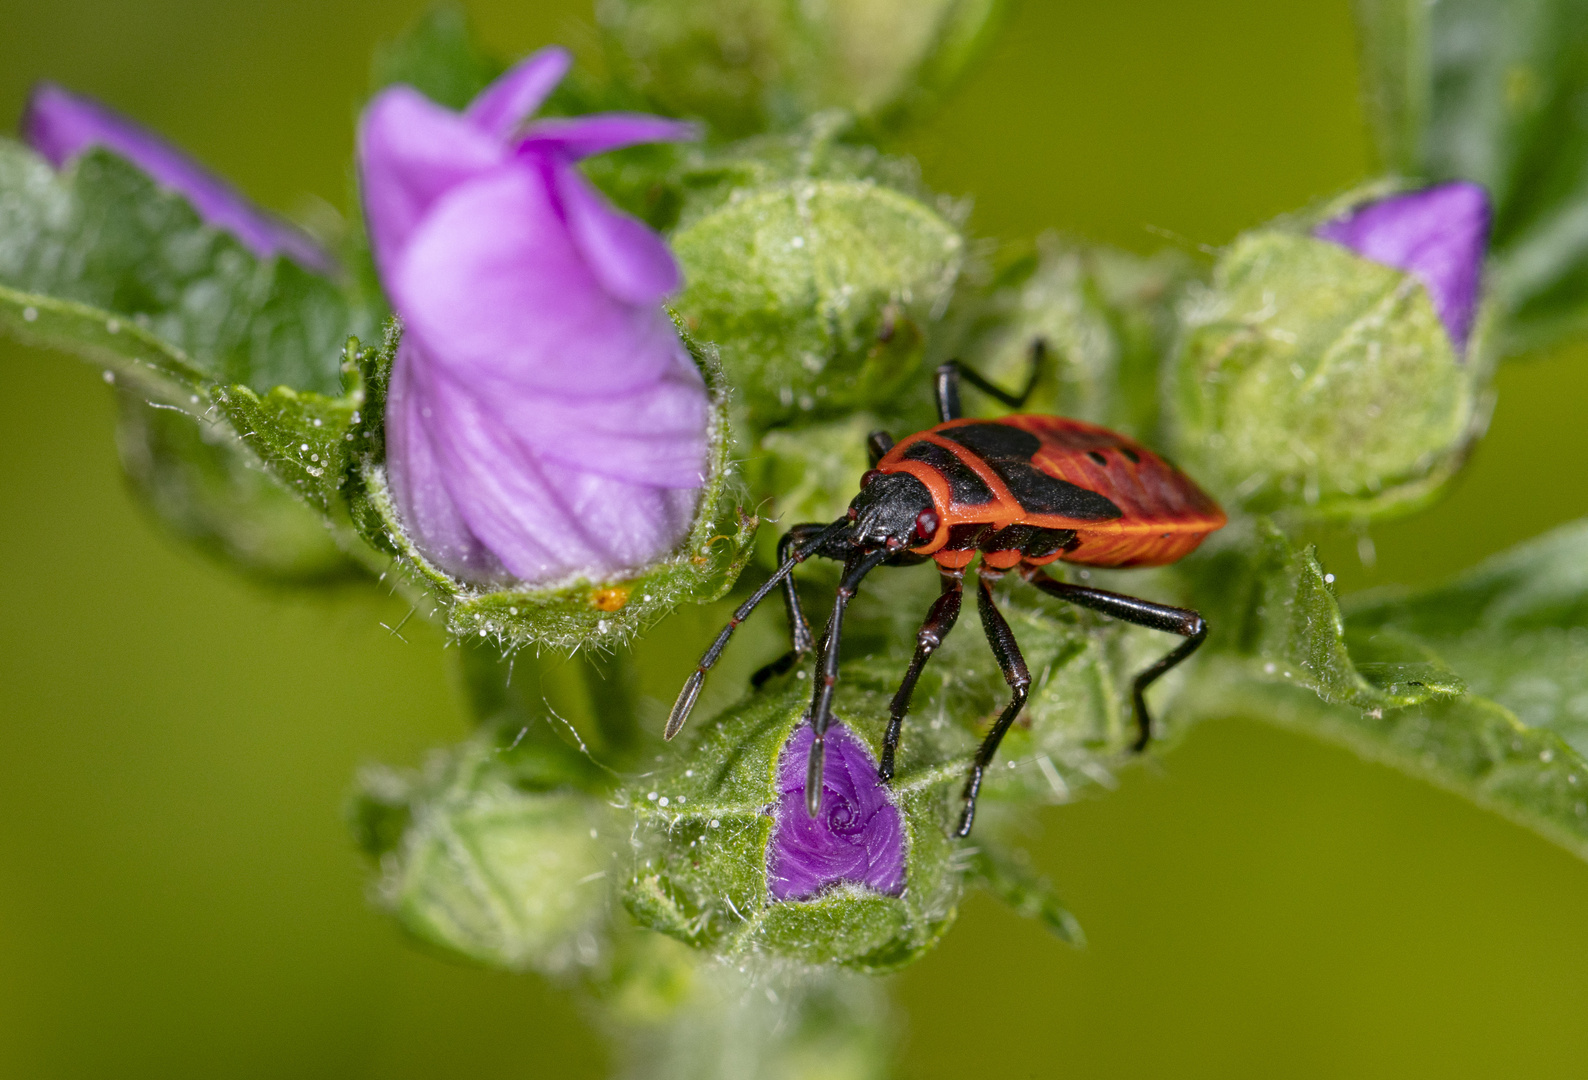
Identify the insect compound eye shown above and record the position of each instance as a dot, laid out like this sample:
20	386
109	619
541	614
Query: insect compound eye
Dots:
869	476
926	523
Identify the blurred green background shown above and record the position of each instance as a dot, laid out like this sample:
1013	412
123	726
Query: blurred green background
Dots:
178	896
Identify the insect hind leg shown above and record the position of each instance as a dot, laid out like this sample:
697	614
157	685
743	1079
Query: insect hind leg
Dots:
950	374
1183	621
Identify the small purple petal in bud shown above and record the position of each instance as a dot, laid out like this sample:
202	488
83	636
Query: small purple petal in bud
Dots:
60	125
1438	234
856	838
544	419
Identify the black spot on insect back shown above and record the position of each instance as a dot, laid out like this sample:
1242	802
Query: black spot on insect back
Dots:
1039	493
1008	450
991	441
965	487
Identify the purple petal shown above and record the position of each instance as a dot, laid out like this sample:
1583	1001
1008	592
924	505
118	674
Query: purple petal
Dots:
632	262
417	482
650	436
543	521
61	125
411	152
511	99
585	136
493	275
857	838
1438	234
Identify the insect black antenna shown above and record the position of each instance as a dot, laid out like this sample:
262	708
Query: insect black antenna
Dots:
691	690
856	568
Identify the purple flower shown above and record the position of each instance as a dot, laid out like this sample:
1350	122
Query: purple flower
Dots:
857	837
1438	234
543	419
60	125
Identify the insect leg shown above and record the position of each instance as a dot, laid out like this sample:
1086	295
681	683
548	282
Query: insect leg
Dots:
878	443
691	690
799	628
1183	621
1013	665
939	621
857	567
950	374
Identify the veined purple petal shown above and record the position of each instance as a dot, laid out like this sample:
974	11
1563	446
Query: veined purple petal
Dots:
494	283
542	520
411	152
1438	234
858	836
631	261
585	136
544	419
649	436
417	481
61	125
508	101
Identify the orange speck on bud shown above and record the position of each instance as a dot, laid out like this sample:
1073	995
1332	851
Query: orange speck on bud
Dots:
610	598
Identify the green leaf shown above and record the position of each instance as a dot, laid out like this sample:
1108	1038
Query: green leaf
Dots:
199	479
1490	90
1313	380
749	65
103	236
1516	627
438	55
1272	605
816	282
1010	878
1468	745
1278	652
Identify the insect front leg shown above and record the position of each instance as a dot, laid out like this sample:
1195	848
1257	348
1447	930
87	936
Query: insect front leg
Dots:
799	628
1013	665
1183	621
940	620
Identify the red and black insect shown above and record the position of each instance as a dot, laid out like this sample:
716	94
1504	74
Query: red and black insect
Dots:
1021	491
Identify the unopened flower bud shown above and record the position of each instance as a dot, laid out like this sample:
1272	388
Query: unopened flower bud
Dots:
1331	371
544	419
728	859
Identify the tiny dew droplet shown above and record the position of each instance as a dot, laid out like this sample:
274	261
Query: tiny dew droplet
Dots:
110	376
662	801
30	313
303	446
651	796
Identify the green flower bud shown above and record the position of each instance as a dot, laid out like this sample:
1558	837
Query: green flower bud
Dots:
478	858
1311	377
704	827
815	268
747	66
